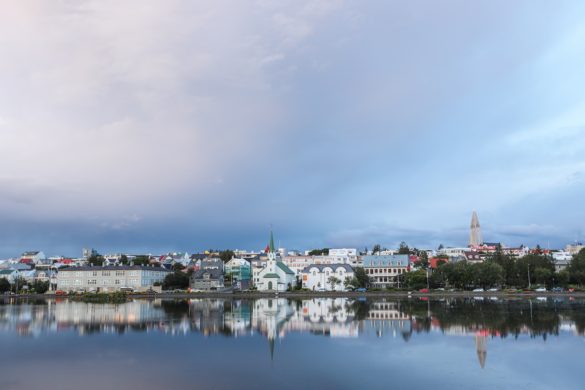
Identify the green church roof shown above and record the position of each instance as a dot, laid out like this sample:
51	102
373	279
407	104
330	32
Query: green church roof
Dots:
283	267
272	276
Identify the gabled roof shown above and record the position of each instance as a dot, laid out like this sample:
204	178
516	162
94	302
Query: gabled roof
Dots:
283	267
213	274
334	267
386	261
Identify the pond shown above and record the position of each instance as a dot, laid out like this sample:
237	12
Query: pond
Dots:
416	343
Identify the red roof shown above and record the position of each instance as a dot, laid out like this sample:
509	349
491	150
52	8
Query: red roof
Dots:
25	261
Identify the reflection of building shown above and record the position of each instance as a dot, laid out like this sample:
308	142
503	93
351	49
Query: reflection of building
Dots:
481	347
386	317
207	315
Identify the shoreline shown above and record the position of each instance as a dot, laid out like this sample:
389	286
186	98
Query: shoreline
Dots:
310	295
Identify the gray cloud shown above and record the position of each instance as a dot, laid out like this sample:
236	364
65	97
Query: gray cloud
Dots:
149	124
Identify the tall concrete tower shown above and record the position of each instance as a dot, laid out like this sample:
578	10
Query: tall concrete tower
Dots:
475	238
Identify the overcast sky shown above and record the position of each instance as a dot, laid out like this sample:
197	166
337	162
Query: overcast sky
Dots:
152	126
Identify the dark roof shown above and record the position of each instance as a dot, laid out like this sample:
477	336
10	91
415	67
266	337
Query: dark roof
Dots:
213	273
334	267
115	268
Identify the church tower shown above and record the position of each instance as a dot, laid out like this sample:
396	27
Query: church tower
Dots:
475	238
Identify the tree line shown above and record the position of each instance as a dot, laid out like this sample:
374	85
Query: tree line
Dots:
500	270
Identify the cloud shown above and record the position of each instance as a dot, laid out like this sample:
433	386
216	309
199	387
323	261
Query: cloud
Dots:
337	121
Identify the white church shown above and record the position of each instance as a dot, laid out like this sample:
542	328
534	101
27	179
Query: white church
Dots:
276	276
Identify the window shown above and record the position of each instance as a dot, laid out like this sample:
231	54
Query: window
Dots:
105	273
119	273
92	281
117	281
94	273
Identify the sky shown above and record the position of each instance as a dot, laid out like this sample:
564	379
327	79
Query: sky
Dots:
155	126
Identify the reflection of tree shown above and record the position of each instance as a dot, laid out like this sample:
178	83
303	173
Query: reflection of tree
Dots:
503	318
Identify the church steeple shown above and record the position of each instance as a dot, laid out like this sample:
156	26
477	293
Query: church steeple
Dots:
271	245
475	238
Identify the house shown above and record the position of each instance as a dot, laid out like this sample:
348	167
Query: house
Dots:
328	277
240	272
384	270
110	278
475	257
207	280
562	259
9	274
275	276
32	257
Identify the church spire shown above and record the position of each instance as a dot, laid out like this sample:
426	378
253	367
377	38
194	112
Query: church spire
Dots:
271	244
475	238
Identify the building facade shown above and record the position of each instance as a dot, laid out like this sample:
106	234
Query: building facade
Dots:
110	278
320	277
207	280
384	271
275	276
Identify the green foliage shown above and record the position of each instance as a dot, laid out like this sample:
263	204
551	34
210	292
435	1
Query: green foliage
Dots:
376	249
319	252
124	259
40	287
95	260
423	261
141	260
361	277
4	285
176	280
416	279
403	249
226	255
576	268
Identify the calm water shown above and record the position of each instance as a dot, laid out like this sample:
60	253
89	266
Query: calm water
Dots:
289	344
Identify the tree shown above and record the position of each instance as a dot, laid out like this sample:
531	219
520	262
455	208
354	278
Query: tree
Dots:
416	279
40	287
124	259
423	261
95	260
141	260
226	255
487	274
178	267
576	268
319	252
361	277
176	280
376	249
4	285
334	281
403	249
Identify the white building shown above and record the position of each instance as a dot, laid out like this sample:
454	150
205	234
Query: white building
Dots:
561	259
299	263
275	276
325	277
110	278
573	249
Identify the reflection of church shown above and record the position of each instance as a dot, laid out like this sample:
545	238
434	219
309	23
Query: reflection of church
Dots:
481	346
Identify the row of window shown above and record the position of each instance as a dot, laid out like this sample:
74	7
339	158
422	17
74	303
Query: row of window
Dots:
372	271
103	273
105	282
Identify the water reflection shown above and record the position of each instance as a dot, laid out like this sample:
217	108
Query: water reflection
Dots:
274	319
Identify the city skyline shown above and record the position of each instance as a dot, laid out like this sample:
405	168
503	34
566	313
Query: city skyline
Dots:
153	127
